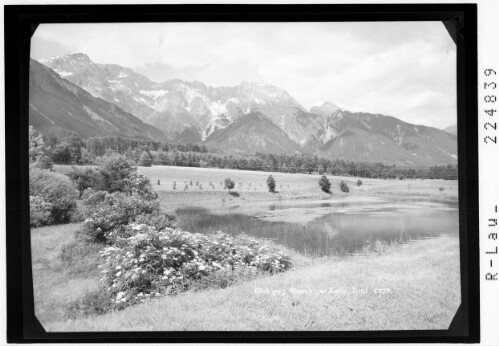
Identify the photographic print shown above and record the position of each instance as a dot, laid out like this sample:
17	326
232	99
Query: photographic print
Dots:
244	176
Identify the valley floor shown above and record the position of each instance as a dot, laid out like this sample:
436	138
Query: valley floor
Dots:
203	187
415	285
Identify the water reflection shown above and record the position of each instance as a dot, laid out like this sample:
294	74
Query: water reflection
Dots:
334	233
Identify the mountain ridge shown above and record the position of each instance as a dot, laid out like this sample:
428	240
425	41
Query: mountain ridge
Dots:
195	112
57	105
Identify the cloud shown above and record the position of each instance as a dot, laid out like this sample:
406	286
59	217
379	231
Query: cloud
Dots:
43	48
404	69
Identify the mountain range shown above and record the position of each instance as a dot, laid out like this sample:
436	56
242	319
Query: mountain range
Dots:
252	117
58	106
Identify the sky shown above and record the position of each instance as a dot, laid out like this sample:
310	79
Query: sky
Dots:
403	69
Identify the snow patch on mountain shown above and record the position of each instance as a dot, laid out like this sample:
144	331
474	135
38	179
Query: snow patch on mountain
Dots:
64	74
154	93
218	108
328	135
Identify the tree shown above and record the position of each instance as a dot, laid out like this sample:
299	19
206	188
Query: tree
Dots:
359	182
61	153
325	184
36	144
145	160
229	184
117	173
344	187
51	141
86	157
75	144
271	183
83	179
44	162
162	157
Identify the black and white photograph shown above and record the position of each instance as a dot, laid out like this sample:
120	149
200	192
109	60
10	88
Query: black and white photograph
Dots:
244	176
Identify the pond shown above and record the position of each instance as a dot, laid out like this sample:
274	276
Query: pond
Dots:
337	228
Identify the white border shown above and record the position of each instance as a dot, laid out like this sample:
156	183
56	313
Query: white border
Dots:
488	57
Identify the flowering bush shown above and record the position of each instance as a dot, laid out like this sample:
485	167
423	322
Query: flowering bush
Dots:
107	217
40	212
150	263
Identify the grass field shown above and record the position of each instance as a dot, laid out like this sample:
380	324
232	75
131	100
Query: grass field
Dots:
251	185
416	282
56	284
420	279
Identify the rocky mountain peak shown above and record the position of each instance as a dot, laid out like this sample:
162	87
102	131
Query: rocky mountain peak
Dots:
326	109
193	111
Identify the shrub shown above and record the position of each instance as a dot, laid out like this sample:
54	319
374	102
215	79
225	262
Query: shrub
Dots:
271	183
158	220
107	218
145	160
223	278
359	182
141	185
40	212
84	179
152	263
117	173
325	184
36	144
229	184
56	189
344	187
44	162
95	198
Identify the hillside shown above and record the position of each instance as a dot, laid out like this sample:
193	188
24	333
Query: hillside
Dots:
251	133
451	129
58	106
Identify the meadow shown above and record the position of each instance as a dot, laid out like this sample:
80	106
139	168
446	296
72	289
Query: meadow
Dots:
410	286
407	278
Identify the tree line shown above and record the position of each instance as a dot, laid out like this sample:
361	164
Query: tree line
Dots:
74	150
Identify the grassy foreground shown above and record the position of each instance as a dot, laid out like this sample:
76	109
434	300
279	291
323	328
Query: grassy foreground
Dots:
421	281
55	284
